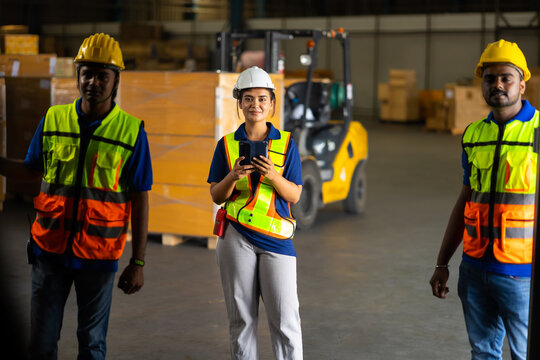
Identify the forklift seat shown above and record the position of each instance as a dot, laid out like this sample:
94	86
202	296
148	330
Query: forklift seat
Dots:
319	110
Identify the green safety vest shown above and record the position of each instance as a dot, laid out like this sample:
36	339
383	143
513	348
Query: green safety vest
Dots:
256	208
503	166
84	203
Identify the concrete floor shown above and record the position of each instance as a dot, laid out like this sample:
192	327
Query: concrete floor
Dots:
363	280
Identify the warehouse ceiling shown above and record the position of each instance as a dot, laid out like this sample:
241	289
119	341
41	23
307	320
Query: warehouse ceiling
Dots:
36	12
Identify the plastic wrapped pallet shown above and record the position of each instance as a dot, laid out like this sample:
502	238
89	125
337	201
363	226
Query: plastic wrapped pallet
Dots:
399	97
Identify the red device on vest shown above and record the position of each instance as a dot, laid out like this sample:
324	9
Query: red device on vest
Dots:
219	223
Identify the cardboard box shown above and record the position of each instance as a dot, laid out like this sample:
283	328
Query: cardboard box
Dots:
532	90
404	108
41	65
383	91
399	97
466	104
402	77
65	67
21	44
64	91
26	102
438	120
428	100
398	103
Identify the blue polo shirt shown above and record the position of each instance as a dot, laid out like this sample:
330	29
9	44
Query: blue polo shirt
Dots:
292	172
139	170
488	262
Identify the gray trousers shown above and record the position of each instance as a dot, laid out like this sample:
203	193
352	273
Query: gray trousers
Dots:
247	273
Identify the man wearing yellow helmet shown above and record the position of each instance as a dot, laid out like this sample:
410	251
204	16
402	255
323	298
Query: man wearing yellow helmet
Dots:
495	211
94	163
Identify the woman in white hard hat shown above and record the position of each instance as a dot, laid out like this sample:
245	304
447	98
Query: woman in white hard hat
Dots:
255	253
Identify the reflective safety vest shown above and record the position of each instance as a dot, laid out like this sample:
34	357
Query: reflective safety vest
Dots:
502	173
256	208
83	207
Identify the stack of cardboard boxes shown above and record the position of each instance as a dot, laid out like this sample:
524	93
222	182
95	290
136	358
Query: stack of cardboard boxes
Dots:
19	53
460	106
399	97
29	86
144	47
430	110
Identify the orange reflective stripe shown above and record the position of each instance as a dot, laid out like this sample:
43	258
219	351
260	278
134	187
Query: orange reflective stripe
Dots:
272	212
226	145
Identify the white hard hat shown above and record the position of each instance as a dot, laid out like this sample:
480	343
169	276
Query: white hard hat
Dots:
254	77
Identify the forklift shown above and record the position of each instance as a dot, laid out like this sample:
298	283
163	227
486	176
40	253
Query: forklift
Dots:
333	147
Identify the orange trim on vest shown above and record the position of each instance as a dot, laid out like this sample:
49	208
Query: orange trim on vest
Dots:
227	153
267	233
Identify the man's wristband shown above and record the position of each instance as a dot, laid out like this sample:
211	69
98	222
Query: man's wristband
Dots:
137	262
442	266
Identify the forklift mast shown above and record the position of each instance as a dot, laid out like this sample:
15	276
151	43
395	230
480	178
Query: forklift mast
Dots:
230	45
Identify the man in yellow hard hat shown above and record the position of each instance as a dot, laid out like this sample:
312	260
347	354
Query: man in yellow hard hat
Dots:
494	213
94	163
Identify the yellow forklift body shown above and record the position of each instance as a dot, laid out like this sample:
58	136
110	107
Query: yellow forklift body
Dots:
352	150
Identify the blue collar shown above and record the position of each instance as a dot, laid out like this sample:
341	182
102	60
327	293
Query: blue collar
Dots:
82	115
525	114
273	134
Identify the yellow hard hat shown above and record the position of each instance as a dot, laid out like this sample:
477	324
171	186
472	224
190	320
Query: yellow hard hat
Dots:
503	51
102	49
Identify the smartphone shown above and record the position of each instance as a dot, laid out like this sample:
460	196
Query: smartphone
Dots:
251	149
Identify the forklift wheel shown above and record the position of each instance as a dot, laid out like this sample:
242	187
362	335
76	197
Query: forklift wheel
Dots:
356	199
305	210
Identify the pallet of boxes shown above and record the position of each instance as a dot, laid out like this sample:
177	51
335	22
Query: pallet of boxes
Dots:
29	87
461	105
399	97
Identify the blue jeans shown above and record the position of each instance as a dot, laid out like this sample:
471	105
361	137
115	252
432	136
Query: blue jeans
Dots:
494	305
51	284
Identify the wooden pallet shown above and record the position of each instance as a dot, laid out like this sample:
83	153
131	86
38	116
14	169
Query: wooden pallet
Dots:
175	239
